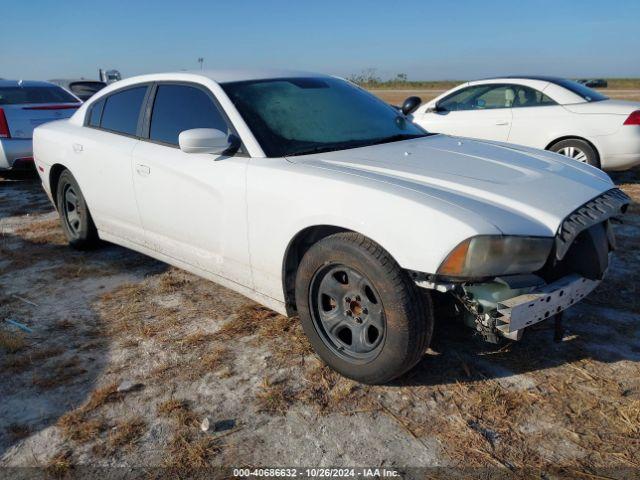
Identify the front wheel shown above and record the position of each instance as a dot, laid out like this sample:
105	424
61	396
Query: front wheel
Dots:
75	218
362	313
578	150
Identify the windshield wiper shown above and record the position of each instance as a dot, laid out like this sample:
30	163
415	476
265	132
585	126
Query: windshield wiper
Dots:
357	144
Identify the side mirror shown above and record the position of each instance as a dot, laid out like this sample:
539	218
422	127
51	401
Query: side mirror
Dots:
410	104
204	140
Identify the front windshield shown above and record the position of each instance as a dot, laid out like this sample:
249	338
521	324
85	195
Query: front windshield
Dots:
297	116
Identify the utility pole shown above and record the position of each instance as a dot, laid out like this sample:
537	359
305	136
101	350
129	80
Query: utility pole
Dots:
201	62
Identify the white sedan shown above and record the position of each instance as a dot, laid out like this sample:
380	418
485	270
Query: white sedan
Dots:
351	217
542	112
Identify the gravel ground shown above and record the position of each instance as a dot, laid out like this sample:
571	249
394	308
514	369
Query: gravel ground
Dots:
126	357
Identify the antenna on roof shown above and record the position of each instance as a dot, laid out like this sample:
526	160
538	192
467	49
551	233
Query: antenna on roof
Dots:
20	82
201	62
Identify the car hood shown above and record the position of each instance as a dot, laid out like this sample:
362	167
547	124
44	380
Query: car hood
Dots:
517	189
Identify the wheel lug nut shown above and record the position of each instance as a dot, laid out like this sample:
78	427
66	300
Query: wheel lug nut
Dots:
347	300
348	312
365	311
358	298
358	320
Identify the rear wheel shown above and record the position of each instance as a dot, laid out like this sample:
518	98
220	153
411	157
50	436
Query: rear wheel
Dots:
577	150
362	313
75	218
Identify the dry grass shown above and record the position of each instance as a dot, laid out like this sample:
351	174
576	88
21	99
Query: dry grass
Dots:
178	410
59	465
122	437
24	360
274	399
12	342
189	448
43	232
189	451
60	374
80	425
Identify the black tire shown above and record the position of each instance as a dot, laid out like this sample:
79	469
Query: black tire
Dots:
578	150
389	304
75	217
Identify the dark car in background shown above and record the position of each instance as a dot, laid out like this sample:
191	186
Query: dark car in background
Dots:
593	82
82	88
23	106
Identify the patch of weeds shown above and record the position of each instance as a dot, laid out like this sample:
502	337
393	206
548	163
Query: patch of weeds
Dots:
178	410
11	342
78	425
59	466
60	374
122	437
274	398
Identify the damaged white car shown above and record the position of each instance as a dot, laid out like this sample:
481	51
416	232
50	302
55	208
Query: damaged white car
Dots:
313	197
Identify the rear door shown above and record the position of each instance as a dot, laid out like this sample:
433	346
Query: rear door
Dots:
26	107
536	118
192	205
111	132
478	111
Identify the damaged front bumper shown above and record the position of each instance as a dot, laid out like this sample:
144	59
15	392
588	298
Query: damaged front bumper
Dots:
515	314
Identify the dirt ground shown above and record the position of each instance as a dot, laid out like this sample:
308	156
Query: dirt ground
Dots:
397	96
183	350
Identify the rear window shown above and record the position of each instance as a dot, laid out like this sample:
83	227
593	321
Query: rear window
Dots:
19	95
583	91
122	110
85	90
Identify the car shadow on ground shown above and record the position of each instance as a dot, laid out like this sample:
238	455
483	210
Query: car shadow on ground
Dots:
52	347
457	354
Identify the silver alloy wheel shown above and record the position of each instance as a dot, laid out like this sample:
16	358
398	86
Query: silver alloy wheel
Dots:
575	153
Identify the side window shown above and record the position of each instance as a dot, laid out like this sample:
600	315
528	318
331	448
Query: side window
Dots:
96	113
496	96
529	97
122	110
177	108
480	97
460	100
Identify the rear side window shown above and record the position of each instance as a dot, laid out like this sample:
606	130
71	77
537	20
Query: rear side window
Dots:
177	108
529	97
122	110
19	95
96	113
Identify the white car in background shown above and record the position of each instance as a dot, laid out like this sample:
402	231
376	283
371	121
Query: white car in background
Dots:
542	112
352	217
23	106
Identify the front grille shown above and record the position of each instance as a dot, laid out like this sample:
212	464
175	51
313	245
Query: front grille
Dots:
600	209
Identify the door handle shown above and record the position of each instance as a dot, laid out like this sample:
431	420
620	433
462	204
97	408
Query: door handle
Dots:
502	123
77	147
143	170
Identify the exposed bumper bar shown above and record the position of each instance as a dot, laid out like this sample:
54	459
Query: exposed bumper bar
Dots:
528	309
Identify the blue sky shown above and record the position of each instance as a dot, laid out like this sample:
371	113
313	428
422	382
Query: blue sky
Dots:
424	39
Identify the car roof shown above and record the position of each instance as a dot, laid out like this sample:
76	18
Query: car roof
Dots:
542	78
74	80
24	83
239	75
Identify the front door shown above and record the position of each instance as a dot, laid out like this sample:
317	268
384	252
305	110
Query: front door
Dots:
479	111
192	205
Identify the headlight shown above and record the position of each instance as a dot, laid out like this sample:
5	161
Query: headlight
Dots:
489	256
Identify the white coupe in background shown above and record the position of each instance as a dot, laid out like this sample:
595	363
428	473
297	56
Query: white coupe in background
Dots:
541	112
312	196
